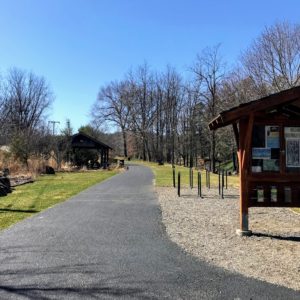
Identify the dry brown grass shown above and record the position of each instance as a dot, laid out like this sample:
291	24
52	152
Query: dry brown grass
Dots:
7	160
35	165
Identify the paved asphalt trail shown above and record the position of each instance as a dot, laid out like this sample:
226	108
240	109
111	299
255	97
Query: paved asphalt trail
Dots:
108	242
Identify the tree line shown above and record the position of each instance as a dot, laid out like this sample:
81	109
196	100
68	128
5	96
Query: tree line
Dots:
157	115
163	116
25	101
25	130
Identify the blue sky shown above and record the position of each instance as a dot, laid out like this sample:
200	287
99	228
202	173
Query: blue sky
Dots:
80	45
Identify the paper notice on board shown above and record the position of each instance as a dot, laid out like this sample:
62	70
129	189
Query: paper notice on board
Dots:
292	153
272	137
261	153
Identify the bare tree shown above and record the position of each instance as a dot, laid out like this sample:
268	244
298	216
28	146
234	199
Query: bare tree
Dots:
193	126
27	98
2	116
210	72
112	106
173	90
143	109
273	59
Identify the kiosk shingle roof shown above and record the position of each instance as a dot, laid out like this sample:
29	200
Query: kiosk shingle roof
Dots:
289	98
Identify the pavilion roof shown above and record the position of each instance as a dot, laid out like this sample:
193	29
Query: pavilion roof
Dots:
83	140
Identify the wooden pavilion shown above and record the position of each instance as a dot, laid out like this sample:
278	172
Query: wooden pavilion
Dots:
267	133
84	141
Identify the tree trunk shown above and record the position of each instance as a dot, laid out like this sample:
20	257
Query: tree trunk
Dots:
124	142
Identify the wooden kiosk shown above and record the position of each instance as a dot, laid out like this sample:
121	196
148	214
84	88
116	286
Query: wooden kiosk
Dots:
267	133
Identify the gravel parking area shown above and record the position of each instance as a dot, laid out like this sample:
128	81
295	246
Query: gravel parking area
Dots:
206	229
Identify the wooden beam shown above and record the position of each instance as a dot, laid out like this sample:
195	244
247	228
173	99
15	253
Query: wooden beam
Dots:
248	142
236	135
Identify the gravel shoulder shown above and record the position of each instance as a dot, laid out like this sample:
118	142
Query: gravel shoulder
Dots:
206	229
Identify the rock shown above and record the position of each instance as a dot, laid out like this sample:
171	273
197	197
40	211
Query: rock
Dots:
5	172
5	182
2	190
160	162
49	170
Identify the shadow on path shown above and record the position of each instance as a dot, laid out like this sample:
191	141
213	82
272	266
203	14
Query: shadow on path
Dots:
277	237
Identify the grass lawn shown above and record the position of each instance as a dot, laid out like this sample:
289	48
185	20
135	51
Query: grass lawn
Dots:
164	176
45	192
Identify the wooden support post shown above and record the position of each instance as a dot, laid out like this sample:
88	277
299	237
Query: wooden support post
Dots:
102	157
219	181
199	185
245	140
178	185
174	183
222	193
105	158
208	179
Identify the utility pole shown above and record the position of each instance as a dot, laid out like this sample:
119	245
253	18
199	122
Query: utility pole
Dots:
55	150
53	125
